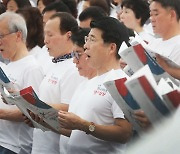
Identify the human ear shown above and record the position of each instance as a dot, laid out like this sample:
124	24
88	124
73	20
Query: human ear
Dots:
69	33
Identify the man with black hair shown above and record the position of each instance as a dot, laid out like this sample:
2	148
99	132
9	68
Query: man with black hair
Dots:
52	8
72	5
97	123
60	82
89	14
84	70
165	16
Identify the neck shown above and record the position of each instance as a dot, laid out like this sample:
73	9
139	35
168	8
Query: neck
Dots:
66	50
20	52
174	31
139	29
92	74
113	64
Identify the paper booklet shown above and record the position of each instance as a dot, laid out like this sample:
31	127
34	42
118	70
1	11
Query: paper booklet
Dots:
140	91
27	100
172	99
170	93
6	84
136	57
124	99
143	88
148	99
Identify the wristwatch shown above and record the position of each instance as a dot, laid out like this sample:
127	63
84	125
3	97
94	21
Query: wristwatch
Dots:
91	128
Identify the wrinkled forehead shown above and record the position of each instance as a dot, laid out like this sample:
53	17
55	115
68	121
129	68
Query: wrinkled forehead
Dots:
4	26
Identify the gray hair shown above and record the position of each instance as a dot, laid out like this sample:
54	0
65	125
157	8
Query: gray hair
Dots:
15	23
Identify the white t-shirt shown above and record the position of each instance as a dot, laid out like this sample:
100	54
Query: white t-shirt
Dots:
2	64
113	11
57	87
80	7
33	3
148	27
146	36
64	139
169	48
35	51
43	57
94	103
17	136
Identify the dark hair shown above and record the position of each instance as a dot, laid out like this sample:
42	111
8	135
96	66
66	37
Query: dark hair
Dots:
109	3
174	4
34	24
93	12
78	1
21	3
139	7
78	36
67	22
101	3
112	31
72	5
2	8
56	6
47	2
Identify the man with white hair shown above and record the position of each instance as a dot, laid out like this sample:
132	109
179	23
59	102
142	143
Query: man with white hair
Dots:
22	71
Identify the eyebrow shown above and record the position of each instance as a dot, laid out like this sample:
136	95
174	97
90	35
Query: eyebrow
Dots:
78	51
47	32
153	10
92	35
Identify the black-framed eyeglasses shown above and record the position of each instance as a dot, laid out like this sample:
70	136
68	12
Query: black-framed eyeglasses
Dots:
76	54
4	35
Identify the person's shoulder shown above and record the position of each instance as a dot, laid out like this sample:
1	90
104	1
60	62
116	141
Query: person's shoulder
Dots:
176	38
31	63
155	42
147	36
31	60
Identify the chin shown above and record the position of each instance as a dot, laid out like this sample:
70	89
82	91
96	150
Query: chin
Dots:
4	57
81	74
51	54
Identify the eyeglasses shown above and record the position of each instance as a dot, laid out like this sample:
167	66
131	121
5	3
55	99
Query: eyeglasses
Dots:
76	54
89	38
4	35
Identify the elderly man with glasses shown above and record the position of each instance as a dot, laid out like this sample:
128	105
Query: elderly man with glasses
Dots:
22	71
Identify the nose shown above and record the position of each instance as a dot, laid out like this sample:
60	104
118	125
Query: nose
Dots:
121	16
86	46
46	40
75	60
152	19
